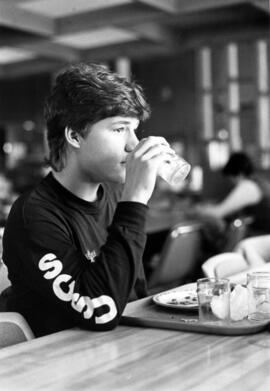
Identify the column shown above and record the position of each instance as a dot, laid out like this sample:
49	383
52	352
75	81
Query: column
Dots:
233	97
263	105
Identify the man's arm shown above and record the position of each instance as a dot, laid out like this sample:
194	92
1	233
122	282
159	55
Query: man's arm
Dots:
245	194
93	294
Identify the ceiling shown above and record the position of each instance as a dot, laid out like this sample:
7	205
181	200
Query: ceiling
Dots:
43	35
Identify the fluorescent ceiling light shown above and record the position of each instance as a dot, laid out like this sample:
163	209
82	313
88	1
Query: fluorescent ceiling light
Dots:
96	38
9	55
60	8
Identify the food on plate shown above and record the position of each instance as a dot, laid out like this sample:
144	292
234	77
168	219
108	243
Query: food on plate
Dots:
188	298
220	306
265	307
239	303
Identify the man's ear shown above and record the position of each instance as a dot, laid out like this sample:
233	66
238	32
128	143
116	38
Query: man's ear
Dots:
72	137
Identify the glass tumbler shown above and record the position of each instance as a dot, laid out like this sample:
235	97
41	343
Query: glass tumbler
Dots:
174	171
258	284
213	299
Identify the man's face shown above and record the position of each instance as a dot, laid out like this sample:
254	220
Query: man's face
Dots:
103	152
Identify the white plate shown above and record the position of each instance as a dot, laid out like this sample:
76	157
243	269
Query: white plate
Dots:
182	297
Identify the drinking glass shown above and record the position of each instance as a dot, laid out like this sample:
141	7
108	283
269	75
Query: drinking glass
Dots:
175	170
213	299
258	284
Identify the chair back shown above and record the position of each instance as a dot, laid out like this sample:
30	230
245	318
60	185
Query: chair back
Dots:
13	329
4	281
237	230
256	250
179	255
224	265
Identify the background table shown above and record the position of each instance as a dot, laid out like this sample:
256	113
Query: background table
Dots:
137	359
163	215
164	220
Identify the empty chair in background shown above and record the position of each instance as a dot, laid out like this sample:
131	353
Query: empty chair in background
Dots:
4	280
6	197
13	329
224	265
178	259
232	265
219	237
13	326
256	250
236	231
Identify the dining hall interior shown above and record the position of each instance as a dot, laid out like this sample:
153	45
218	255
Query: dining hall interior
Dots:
203	69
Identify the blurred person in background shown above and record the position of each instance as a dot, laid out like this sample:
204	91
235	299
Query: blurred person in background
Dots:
7	197
250	195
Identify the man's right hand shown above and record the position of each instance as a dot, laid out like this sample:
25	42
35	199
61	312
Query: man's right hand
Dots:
142	168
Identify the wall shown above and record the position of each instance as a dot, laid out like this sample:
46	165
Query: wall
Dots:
23	98
21	147
169	85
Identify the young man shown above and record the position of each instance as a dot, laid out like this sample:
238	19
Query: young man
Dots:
73	245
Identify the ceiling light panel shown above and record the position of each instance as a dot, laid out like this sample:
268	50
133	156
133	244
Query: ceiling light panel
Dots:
11	55
96	38
61	8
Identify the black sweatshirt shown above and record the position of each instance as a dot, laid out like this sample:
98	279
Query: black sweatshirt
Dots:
73	262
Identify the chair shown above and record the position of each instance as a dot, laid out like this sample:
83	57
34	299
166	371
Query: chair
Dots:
232	266
179	256
237	230
224	265
13	329
4	281
256	250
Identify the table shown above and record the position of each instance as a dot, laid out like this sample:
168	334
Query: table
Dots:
163	220
134	358
163	216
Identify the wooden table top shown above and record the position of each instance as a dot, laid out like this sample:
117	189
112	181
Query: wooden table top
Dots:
164	213
134	358
163	220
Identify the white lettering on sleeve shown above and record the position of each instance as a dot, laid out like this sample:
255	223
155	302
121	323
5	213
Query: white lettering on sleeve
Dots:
80	303
65	296
48	262
108	301
63	287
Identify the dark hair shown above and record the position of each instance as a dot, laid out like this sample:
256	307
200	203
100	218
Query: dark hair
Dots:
84	94
238	164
